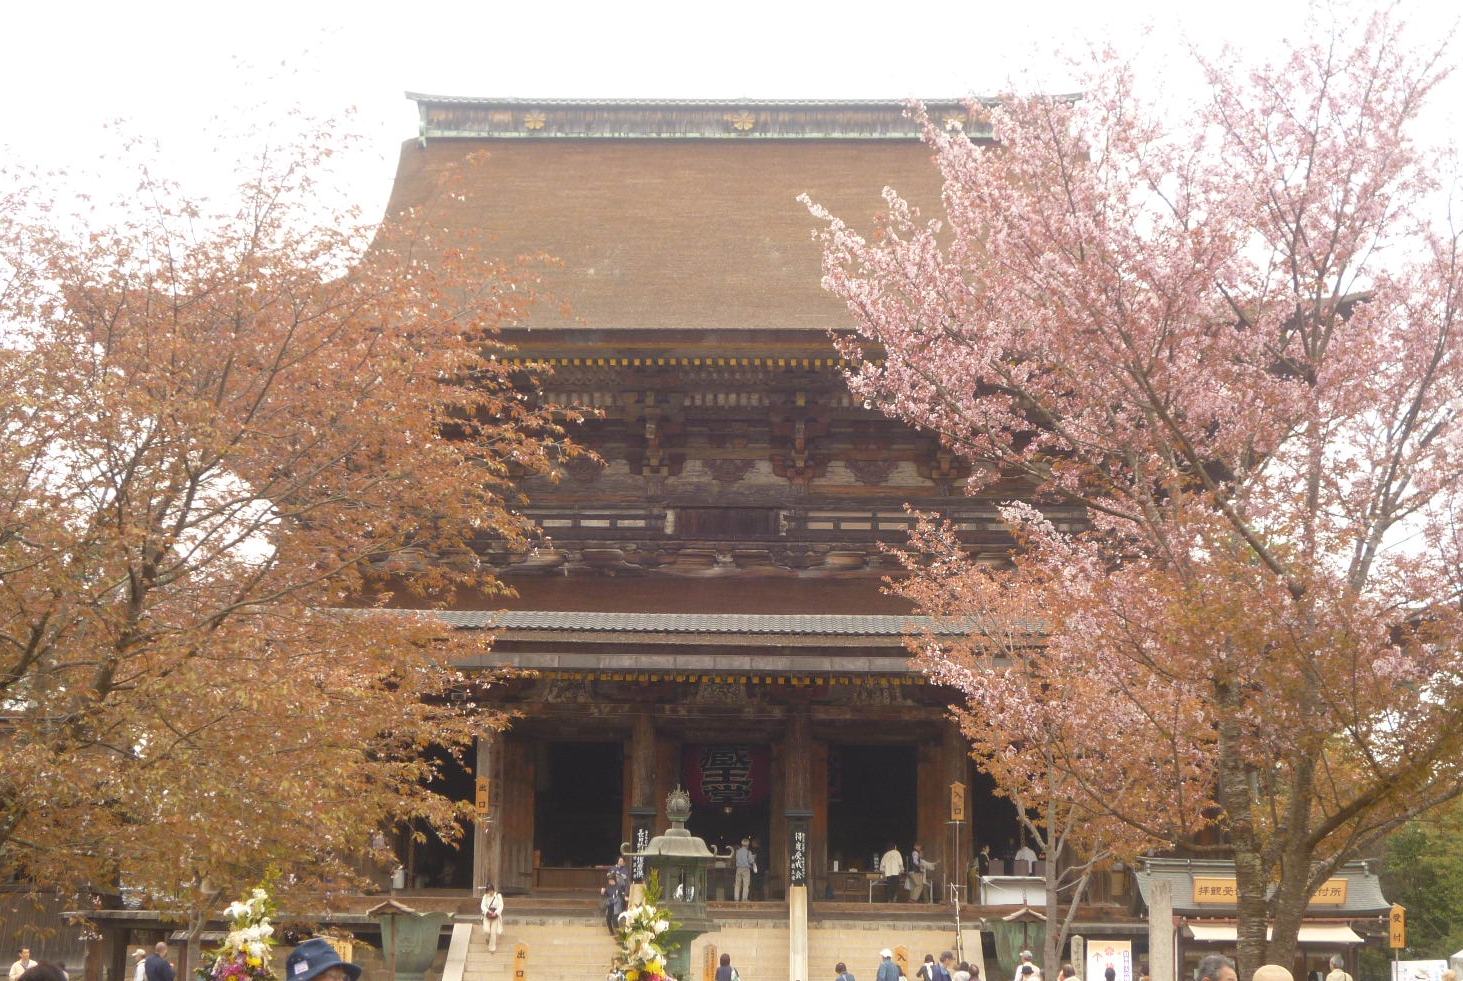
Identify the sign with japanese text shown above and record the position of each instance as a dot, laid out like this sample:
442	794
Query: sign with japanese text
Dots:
1221	890
797	859
957	801
637	864
484	796
1397	927
1116	954
708	963
726	776
520	963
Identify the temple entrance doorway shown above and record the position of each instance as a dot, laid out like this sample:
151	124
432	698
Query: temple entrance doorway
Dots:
994	818
433	863
730	788
871	803
579	791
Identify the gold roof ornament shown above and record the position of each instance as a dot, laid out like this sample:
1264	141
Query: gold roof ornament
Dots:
534	120
742	121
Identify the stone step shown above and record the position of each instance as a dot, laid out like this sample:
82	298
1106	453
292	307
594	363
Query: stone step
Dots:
565	949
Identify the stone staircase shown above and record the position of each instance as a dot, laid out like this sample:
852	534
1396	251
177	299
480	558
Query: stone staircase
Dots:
566	941
562	941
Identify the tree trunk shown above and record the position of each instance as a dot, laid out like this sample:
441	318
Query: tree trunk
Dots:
1292	896
1250	867
1054	936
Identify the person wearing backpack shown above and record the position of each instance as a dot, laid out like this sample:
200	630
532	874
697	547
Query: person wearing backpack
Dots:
843	973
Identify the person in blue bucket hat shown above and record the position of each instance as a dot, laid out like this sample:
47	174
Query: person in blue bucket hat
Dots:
316	960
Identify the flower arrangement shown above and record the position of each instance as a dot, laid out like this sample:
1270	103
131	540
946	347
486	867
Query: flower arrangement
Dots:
245	952
642	950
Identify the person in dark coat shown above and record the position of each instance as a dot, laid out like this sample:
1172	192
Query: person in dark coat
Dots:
156	967
613	901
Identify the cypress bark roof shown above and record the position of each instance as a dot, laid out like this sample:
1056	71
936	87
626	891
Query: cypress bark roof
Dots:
665	215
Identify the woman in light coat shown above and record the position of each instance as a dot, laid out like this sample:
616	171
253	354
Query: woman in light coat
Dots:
492	907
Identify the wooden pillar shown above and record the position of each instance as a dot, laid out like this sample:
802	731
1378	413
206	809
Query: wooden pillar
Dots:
487	836
513	803
641	809
797	778
818	832
952	849
798	762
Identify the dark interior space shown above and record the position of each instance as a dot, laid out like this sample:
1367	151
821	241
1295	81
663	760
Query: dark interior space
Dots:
871	802
993	818
725	827
433	863
577	805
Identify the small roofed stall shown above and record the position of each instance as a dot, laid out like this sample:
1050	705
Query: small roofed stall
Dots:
1345	911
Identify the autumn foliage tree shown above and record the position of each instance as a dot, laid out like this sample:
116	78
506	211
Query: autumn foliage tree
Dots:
1232	338
219	426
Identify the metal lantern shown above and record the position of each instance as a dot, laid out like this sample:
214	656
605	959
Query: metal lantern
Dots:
680	861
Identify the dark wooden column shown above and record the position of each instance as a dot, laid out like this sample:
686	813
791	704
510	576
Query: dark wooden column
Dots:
818	831
955	851
640	810
487	837
797	800
514	803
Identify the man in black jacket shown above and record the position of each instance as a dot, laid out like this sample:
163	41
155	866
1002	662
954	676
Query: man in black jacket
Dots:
156	967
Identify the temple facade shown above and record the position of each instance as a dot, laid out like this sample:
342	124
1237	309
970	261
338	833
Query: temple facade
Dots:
705	607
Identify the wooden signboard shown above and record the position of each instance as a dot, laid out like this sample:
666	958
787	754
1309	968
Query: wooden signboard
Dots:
901	957
957	801
484	796
708	963
520	962
1221	890
1397	927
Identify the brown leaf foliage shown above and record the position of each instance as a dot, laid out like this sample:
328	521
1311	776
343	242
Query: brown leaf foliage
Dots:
217	426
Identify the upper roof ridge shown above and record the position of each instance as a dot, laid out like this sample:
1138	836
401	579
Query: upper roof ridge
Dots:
450	116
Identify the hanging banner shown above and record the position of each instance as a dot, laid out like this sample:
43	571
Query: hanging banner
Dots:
1103	953
726	776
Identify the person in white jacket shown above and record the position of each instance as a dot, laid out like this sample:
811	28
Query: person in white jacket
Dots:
891	867
492	907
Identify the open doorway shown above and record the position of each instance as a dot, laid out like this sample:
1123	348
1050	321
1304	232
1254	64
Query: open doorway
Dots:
577	804
871	802
730	787
433	863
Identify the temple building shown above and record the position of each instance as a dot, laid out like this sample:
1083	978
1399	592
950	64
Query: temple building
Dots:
705	607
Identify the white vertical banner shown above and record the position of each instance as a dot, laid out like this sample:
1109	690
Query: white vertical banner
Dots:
1103	953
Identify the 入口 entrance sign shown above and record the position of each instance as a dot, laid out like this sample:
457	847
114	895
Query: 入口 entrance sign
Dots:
1218	890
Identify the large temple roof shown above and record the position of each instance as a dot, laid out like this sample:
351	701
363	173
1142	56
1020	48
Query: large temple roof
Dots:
667	214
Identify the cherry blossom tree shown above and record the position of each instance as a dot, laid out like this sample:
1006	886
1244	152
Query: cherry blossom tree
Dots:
1042	727
1232	339
219	427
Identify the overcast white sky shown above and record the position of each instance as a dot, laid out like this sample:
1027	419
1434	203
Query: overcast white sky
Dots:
173	71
